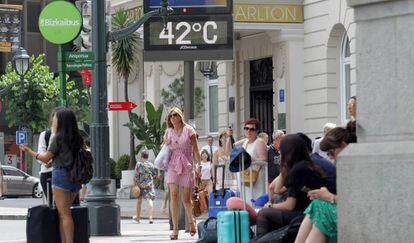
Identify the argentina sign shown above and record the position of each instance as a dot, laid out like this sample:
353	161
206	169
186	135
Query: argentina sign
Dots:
60	22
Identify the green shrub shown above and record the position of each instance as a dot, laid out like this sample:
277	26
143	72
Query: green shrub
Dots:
121	165
112	165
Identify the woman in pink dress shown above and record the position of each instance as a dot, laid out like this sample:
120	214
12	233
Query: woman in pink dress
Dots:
183	144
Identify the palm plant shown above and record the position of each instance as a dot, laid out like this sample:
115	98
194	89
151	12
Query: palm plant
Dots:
149	131
123	58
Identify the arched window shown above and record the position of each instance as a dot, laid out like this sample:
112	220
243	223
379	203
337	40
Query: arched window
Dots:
345	77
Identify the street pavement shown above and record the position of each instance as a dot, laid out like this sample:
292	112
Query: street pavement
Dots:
14	231
16	208
13	213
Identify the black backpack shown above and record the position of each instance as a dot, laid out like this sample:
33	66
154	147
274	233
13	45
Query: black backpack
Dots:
82	170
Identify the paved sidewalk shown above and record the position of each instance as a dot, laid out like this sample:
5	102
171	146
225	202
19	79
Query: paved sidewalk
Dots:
130	232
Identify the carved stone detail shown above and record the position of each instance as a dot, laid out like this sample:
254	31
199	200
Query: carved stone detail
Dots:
281	60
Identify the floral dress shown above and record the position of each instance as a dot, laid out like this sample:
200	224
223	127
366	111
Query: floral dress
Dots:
144	173
323	216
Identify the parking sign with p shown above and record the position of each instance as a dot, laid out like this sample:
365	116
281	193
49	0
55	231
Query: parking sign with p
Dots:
21	137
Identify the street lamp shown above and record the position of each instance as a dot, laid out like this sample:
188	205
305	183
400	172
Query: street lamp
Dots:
21	63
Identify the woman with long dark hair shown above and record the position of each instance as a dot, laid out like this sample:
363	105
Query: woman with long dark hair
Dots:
63	147
298	173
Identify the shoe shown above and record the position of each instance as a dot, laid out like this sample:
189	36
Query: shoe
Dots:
135	219
174	235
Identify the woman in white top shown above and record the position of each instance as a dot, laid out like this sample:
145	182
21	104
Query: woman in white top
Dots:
257	149
206	172
221	157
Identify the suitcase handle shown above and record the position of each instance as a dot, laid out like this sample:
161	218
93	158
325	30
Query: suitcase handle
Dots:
215	180
49	194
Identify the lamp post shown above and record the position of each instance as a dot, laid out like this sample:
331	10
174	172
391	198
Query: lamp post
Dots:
21	63
104	213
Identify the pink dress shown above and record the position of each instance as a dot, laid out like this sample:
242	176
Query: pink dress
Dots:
180	166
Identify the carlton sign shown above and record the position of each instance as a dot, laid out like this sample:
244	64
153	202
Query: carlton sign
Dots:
268	13
60	22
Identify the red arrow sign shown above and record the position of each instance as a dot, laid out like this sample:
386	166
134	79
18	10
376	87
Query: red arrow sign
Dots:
121	106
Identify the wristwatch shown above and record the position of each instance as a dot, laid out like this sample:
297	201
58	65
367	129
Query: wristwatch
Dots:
332	200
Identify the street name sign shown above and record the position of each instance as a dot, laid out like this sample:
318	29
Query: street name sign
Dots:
60	22
74	61
22	137
121	106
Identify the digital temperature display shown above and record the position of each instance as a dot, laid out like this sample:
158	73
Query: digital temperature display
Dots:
190	33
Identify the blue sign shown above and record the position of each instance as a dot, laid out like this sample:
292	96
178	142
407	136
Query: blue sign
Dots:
22	137
281	95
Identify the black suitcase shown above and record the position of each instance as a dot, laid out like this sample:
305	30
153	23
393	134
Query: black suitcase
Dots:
81	224
42	224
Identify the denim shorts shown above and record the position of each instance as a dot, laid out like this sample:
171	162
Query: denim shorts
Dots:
60	180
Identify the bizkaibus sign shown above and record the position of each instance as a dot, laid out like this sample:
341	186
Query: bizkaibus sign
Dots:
60	22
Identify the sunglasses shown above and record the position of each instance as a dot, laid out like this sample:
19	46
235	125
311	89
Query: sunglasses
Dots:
173	114
252	129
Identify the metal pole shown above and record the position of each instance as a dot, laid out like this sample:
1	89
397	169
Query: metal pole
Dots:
189	90
104	214
62	77
188	109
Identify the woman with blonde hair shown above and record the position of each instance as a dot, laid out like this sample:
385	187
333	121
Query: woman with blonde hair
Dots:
182	141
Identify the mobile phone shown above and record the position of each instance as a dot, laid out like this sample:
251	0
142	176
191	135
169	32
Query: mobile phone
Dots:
305	189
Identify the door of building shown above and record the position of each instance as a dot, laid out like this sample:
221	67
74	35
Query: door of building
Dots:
261	93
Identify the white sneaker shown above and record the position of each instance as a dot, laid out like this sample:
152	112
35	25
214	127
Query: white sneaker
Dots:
135	219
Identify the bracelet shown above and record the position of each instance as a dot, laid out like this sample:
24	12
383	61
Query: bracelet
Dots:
37	155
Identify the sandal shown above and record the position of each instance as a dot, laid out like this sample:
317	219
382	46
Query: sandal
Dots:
193	229
174	236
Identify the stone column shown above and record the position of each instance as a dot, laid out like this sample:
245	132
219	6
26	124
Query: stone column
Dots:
376	175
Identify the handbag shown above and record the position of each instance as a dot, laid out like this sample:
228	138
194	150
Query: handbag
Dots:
161	161
246	173
136	191
196	203
202	197
207	231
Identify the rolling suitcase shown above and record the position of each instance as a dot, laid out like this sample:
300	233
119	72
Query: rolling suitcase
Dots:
218	198
233	227
42	223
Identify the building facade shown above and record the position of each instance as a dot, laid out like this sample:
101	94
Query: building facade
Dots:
293	68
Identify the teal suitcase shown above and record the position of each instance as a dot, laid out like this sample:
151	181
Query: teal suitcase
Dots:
233	227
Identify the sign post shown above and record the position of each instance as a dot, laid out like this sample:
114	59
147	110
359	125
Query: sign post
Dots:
22	137
60	22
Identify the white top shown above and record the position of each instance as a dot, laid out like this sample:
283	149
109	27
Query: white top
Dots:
316	149
205	170
207	147
250	148
41	148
